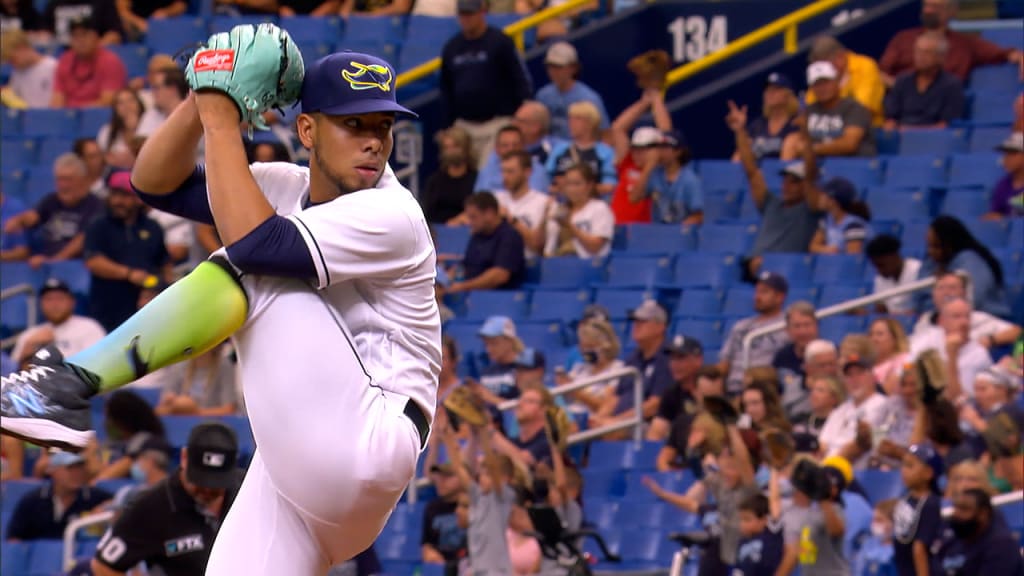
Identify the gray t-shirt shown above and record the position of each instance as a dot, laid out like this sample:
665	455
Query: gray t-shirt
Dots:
784	228
34	84
727	524
827	124
818	553
762	349
488	520
210	387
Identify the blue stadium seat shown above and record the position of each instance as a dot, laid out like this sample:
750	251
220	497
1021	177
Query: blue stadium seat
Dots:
112	485
558	305
699	303
134	56
50	149
373	31
862	172
721	206
989	233
619	302
940	142
598	509
629	271
880	485
313	29
641	545
1011	37
700	270
541	335
915	232
18	154
90	120
13	183
1001	78
721	175
835	328
708	332
726	238
803	292
73	273
797	268
889	204
1016	232
451	239
832	294
430	31
980	170
890	227
837	268
604	483
966	204
607	455
659	239
10	127
739	301
46	122
416	52
986	138
40	182
857	514
14	314
915	172
17	273
45	557
12	491
14	557
171	35
678	481
225	23
313	51
569	272
481	304
398	547
466	335
993	107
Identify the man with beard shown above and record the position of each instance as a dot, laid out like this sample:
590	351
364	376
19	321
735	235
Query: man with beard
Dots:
980	538
966	51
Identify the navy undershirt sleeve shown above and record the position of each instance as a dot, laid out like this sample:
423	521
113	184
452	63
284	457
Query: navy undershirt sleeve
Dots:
274	248
188	201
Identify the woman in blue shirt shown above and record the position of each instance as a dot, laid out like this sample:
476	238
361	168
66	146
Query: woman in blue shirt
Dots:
952	248
844	228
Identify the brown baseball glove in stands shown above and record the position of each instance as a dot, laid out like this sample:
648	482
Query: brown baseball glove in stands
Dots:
559	425
650	69
778	448
931	376
464	404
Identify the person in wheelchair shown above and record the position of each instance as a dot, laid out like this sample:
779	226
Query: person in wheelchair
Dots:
726	476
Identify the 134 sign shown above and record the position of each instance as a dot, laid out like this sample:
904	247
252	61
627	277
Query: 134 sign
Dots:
693	38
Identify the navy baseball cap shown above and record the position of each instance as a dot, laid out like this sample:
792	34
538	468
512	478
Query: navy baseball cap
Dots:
780	80
350	83
841	190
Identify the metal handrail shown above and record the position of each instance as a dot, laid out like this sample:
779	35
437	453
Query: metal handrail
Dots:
585	436
997	501
517	30
835	309
787	25
77	524
31	304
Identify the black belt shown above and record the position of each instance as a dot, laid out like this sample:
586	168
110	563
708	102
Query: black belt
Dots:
419	419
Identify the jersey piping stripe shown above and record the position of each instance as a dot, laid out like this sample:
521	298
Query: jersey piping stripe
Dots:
344	333
319	252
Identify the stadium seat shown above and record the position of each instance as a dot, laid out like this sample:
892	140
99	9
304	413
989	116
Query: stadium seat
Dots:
313	29
480	304
172	35
223	23
838	268
430	31
608	455
914	236
861	172
939	142
890	227
990	233
888	204
705	270
835	328
797	268
1016	232
803	292
1001	78
608	483
699	303
678	481
10	127
71	272
880	485
311	52
967	204
541	335
14	557
659	239
721	206
402	547
90	120
986	138
14	182
832	294
629	271
414	53
721	175
451	239
46	122
980	170
49	150
558	305
857	514
45	557
1011	37
12	491
18	154
708	332
112	485
993	107
371	31
598	510
726	238
619	302
569	272
134	56
739	301
915	172
640	545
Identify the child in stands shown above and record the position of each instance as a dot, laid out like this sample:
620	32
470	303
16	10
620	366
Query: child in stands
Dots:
760	550
917	519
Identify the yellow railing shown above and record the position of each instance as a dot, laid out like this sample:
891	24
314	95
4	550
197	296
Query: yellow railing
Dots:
787	26
517	30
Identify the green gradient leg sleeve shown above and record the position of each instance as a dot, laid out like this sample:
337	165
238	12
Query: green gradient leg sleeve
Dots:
187	319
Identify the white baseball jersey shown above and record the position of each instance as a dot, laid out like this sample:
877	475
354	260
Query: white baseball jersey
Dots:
594	218
530	208
375	266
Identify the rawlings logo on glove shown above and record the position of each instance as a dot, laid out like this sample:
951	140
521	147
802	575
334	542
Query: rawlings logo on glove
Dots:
259	67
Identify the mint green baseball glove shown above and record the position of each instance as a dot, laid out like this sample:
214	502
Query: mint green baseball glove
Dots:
259	67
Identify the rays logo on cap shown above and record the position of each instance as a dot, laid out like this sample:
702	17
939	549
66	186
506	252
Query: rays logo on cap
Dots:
368	76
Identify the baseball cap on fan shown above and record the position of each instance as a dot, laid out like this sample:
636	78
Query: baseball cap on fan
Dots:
1013	143
821	70
646	137
350	83
212	456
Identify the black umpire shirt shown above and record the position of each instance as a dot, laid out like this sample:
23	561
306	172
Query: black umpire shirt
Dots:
163	527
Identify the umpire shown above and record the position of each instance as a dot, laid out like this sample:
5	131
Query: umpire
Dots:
172	525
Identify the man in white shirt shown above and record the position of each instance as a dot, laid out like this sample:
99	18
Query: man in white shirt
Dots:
525	207
951	339
985	329
31	83
863	405
64	329
891	271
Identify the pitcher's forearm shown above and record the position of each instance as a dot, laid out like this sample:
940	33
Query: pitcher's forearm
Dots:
168	157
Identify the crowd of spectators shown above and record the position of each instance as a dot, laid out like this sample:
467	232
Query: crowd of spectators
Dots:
773	430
